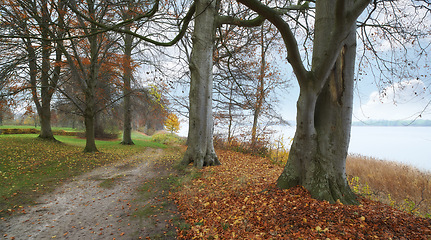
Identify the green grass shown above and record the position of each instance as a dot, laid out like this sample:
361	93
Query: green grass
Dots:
167	138
67	129
30	167
139	136
17	126
108	145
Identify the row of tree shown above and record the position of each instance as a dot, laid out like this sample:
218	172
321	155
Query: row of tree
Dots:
75	47
50	47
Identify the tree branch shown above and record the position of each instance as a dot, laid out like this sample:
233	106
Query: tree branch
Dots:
239	22
118	27
273	15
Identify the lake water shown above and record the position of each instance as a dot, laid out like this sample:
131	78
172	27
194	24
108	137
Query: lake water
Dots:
409	145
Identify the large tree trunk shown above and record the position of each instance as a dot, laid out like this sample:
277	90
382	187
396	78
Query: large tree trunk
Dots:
318	154
43	105
200	148
90	90
127	128
45	121
90	123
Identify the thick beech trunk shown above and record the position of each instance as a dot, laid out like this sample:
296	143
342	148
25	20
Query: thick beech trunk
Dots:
200	148
127	125
44	108
90	121
90	90
43	105
45	122
318	154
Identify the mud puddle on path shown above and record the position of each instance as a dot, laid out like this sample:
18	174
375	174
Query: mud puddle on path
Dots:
83	209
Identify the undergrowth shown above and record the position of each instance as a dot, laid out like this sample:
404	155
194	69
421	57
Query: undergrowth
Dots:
168	138
397	185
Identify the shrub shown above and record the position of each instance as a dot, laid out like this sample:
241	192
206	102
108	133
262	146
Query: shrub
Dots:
392	183
279	153
260	148
19	131
167	138
64	133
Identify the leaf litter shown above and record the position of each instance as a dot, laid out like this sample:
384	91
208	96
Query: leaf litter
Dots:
239	200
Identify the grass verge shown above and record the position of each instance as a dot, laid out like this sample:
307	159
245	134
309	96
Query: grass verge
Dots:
155	207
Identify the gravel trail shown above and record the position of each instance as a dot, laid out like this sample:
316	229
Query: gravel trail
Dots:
82	209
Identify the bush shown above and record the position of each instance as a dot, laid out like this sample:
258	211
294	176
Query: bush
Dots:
260	148
167	138
64	133
103	136
395	184
19	131
279	153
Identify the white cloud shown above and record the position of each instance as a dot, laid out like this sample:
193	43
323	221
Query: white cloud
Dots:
399	101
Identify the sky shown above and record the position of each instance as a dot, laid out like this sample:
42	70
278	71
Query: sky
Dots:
404	100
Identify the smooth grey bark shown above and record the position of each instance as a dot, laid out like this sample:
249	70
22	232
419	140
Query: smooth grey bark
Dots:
320	147
318	153
200	150
89	121
230	114
91	82
42	102
127	120
48	81
44	109
260	91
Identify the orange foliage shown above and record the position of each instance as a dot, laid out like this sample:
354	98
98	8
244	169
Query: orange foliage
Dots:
239	200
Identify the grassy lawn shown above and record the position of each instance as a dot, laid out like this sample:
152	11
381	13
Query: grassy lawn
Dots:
30	167
16	126
38	127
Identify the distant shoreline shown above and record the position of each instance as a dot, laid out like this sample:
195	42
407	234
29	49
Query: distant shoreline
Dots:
394	123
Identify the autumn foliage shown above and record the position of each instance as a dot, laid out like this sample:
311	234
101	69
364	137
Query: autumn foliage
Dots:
239	200
172	124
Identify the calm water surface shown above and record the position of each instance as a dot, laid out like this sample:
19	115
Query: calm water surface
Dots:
409	145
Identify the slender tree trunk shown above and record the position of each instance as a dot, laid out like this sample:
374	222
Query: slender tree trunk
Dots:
260	93
318	154
127	129
229	134
200	148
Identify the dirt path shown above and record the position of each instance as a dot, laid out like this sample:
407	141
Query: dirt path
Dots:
83	209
